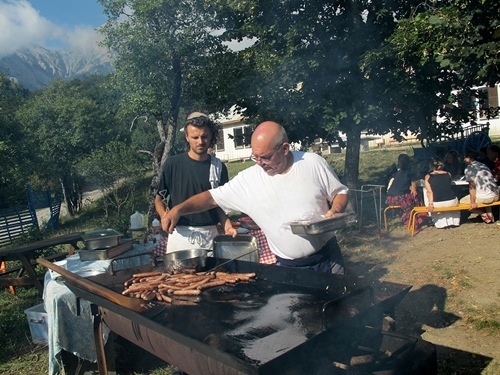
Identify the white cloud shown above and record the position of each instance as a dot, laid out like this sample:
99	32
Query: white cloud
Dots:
22	26
82	38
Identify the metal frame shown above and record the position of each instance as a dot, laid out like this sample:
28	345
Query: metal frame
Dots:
373	190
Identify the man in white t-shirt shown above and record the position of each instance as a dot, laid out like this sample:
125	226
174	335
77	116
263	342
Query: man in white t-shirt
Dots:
283	186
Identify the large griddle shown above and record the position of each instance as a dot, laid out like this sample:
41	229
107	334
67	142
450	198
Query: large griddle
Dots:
258	327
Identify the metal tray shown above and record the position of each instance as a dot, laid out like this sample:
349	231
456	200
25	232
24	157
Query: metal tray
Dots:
336	222
109	253
101	239
227	247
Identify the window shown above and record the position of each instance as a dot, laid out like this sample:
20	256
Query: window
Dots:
242	137
219	146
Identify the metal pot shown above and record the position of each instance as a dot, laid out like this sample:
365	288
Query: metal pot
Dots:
185	259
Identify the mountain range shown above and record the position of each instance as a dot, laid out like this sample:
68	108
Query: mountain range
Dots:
36	66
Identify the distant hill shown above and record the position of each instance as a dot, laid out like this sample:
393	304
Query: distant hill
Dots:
36	67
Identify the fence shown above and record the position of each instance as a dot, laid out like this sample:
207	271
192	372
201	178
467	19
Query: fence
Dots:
19	220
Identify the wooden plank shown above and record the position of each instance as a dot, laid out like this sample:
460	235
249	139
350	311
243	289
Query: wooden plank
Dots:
71	239
54	257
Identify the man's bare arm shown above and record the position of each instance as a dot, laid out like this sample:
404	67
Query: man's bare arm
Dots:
339	204
197	203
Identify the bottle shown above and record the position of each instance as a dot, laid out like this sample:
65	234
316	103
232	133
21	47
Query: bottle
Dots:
156	225
136	221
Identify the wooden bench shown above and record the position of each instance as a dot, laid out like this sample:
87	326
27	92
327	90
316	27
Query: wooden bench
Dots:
27	255
16	221
461	207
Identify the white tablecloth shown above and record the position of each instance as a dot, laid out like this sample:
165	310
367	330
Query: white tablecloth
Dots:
68	331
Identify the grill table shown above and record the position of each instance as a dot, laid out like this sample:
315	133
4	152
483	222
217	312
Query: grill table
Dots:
249	328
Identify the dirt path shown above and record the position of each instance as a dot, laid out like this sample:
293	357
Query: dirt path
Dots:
455	299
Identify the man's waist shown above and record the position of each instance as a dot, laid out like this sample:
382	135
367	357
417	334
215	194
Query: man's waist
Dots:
314	258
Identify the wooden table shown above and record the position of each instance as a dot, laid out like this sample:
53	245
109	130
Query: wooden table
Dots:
27	254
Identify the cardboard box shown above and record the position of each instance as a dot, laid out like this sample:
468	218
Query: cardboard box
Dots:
37	319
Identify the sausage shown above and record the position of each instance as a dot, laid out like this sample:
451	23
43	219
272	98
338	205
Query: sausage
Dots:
148	295
211	284
187	292
146	274
201	282
166	298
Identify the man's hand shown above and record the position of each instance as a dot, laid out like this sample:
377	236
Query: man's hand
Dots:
330	213
339	204
169	220
233	232
473	205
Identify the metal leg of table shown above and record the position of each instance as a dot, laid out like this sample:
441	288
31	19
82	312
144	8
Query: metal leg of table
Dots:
360	205
377	190
99	342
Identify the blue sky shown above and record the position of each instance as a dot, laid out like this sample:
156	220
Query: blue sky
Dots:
49	23
68	13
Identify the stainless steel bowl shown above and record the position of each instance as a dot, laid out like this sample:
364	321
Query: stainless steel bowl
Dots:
185	259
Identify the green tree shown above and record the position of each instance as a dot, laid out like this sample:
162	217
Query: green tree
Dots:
447	49
14	155
160	47
65	124
307	67
117	171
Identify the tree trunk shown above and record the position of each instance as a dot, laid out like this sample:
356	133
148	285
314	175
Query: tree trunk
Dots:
351	168
72	194
166	131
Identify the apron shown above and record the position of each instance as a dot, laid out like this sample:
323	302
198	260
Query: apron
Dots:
186	238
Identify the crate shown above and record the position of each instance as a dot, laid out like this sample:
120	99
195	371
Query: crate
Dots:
37	319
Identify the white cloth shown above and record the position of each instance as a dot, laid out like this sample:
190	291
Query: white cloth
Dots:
273	201
446	219
71	332
215	171
186	238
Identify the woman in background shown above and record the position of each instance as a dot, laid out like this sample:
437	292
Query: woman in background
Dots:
440	194
402	190
452	165
493	153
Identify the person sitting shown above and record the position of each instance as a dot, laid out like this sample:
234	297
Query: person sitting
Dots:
484	158
402	190
452	165
482	187
493	153
440	194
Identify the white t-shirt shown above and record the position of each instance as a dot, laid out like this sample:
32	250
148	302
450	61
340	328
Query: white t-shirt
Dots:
273	201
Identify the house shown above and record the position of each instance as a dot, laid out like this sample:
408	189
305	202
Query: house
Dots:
234	139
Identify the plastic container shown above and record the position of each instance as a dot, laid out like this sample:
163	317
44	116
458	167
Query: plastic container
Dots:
136	221
156	226
39	328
